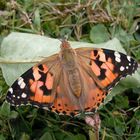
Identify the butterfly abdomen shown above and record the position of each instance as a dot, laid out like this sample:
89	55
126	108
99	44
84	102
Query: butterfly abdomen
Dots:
74	81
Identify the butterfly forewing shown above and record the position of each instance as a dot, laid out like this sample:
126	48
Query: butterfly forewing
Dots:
107	65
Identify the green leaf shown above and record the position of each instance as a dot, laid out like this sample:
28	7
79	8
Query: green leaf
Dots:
47	136
5	109
122	102
122	35
99	34
13	115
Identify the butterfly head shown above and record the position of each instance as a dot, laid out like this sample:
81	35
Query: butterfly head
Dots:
65	44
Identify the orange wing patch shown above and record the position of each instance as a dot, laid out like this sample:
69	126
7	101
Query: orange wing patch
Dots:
49	81
37	86
105	64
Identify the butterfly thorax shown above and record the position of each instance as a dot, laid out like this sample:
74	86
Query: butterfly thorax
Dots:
68	59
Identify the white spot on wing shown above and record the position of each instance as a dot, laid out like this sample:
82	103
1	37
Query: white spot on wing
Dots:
10	90
14	96
36	106
23	95
129	58
117	54
122	68
20	80
18	97
117	59
22	85
46	108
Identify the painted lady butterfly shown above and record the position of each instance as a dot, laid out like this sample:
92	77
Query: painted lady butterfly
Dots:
72	81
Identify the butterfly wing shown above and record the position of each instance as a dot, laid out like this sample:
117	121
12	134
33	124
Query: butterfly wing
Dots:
103	69
107	65
37	86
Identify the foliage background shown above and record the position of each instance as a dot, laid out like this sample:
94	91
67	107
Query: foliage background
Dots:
84	20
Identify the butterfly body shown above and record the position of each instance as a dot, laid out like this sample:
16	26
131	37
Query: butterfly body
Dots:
73	81
68	58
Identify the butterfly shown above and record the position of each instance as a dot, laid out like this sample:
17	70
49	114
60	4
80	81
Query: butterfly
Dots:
73	81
